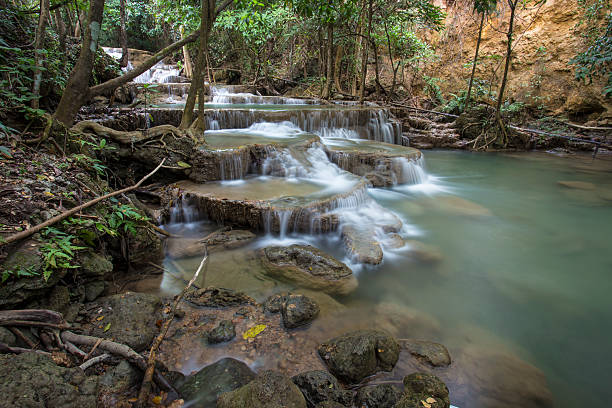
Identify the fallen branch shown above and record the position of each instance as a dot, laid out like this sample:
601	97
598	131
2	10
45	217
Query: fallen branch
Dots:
567	137
145	388
584	127
27	323
22	337
35	315
72	349
94	361
4	348
120	350
66	214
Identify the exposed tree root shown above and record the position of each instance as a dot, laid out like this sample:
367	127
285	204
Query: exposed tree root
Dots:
125	137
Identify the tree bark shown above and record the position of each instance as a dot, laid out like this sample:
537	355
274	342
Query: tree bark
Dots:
187	58
469	92
61	31
329	61
123	62
500	97
337	67
364	55
76	93
38	52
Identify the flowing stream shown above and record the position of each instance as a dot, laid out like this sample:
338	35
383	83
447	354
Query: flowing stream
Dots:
509	259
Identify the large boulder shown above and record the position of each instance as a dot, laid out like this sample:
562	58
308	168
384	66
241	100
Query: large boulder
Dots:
202	389
434	354
309	267
129	318
33	380
270	389
422	387
356	355
319	385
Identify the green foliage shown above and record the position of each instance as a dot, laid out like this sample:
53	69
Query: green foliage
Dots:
58	251
18	273
144	27
432	89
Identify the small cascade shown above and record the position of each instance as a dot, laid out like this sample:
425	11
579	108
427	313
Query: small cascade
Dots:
159	73
184	212
410	171
224	95
232	165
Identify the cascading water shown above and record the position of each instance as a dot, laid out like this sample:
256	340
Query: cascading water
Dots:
410	171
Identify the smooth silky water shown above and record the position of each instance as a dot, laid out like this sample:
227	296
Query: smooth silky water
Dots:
526	263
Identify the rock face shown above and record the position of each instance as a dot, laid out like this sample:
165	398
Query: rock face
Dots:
421	387
269	390
225	331
218	297
379	396
34	380
309	267
132	318
356	355
318	386
186	247
433	353
298	310
94	268
203	388
361	245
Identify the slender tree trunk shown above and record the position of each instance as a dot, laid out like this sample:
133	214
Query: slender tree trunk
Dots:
61	31
76	93
123	62
500	96
337	67
38	52
329	61
364	55
186	57
469	92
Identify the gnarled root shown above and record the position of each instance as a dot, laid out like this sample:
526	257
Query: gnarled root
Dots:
125	137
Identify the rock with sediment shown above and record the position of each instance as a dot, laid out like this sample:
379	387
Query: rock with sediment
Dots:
362	245
202	389
270	389
298	310
356	355
225	331
309	267
186	247
578	185
319	386
423	387
379	396
433	353
218	297
423	252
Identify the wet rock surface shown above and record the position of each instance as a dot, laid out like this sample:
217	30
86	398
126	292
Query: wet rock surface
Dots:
204	387
118	383
433	353
270	389
218	297
427	388
34	380
362	245
379	396
298	310
319	386
356	355
225	331
186	247
129	318
309	267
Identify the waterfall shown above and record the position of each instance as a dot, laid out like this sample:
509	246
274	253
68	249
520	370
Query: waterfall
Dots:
410	171
183	211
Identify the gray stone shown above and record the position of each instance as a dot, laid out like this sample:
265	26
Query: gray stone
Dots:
203	388
33	380
356	355
298	310
424	387
93	290
225	331
117	383
433	353
270	389
378	396
319	385
7	337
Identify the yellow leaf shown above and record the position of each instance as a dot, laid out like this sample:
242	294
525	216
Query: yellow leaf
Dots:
184	165
430	400
107	327
426	405
157	400
253	331
100	318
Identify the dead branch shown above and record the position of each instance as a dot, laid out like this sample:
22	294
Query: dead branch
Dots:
145	388
22	337
584	127
4	348
124	136
72	349
34	315
94	361
66	214
120	350
27	323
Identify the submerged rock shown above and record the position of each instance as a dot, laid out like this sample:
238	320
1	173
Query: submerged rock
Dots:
128	318
34	380
202	389
578	185
434	353
186	247
362	245
270	389
309	267
356	355
422	387
460	206
298	310
378	396
423	252
218	297
319	385
225	331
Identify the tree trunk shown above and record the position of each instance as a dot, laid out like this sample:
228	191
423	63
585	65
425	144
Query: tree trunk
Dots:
197	83
123	62
187	58
364	55
76	93
61	31
500	96
329	61
469	92
337	66
38	52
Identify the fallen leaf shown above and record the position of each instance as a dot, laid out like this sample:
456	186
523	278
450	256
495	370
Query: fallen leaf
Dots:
100	318
157	400
430	400
183	164
107	327
253	331
426	405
